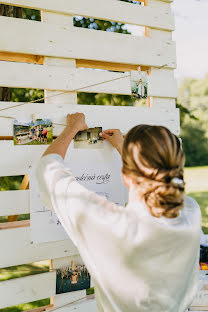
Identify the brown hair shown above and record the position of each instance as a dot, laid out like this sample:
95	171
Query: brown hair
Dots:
152	156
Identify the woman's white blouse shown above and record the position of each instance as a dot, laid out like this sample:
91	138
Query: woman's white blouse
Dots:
138	262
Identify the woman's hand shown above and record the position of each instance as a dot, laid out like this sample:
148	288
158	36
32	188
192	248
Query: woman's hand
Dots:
76	122
115	137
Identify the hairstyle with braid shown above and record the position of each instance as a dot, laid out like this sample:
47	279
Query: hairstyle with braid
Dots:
152	156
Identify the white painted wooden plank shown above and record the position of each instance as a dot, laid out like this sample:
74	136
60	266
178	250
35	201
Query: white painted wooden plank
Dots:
16	248
66	298
26	154
117	11
14	202
161	103
157	100
27	289
87	305
57	113
19	75
155	33
69	97
58	41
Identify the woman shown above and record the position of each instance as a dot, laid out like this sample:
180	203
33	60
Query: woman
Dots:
143	257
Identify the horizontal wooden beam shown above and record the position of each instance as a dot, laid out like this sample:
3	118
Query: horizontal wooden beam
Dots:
17	241
26	289
14	225
19	75
57	112
42	309
38	59
53	40
110	10
109	66
24	58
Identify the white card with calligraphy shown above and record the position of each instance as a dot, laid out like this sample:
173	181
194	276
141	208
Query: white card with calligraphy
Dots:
98	170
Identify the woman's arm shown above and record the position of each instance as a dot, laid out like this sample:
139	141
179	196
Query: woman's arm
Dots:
75	123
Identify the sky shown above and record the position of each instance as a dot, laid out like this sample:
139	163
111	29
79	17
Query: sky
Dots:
191	36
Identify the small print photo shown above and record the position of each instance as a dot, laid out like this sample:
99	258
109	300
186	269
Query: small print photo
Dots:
139	84
72	278
89	139
31	132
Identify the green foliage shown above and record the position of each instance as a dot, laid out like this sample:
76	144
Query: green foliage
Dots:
10	183
27	95
184	112
193	105
195	144
27	306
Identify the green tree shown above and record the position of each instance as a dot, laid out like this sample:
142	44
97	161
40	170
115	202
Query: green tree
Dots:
195	145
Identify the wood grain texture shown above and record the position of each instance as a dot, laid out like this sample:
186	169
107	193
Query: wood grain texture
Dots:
110	10
25	58
161	81
53	40
27	289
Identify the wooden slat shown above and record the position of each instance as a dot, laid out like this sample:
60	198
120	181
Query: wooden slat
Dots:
161	103
16	248
111	10
108	66
53	40
85	305
26	58
157	101
161	82
27	289
14	202
26	154
42	309
14	225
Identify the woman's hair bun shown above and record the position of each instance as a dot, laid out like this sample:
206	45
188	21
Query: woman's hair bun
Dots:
152	156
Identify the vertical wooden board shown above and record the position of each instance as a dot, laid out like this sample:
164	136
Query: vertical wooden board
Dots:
162	83
161	103
158	101
27	289
69	97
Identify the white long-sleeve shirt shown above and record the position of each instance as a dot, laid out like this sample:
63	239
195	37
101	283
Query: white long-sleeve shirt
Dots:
138	262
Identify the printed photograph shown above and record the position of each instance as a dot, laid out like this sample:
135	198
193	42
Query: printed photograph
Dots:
89	139
72	278
31	132
139	84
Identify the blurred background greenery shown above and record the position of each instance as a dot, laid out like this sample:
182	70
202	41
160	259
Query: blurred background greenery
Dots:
192	101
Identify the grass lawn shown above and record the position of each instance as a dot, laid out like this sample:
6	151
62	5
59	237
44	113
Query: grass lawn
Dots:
197	187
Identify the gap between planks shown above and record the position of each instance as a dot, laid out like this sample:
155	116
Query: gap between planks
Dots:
36	59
